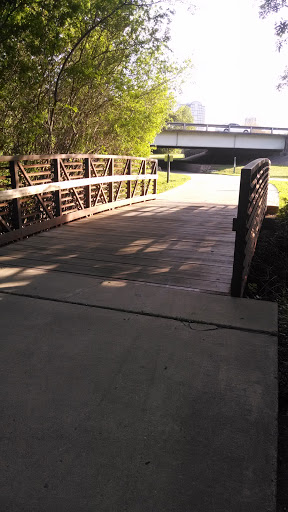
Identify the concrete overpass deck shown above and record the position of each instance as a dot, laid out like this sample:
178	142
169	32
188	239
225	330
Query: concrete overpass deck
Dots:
183	138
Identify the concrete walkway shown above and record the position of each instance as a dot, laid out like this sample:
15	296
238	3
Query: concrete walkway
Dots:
127	396
215	189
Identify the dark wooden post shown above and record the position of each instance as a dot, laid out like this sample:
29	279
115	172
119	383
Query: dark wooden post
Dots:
111	188
57	193
155	170
144	181
129	172
240	226
168	167
16	219
87	174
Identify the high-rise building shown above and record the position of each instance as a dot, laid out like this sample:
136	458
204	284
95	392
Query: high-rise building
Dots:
198	111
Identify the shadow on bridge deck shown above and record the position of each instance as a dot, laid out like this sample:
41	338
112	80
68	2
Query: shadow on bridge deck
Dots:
162	242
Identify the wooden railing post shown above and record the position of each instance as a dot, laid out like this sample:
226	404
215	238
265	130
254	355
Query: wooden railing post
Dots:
155	170
16	219
57	193
87	174
143	181
111	188
251	211
129	172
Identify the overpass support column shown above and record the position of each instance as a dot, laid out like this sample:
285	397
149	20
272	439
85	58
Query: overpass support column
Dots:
285	150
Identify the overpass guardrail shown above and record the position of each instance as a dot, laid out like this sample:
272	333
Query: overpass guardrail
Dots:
224	127
38	192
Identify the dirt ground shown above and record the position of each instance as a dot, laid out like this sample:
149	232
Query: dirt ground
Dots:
268	280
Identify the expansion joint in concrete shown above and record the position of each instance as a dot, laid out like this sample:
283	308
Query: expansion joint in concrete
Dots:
188	323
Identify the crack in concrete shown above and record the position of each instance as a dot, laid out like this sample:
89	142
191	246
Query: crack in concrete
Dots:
144	313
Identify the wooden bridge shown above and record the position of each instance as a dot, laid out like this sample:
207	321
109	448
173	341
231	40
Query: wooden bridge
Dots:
170	241
124	385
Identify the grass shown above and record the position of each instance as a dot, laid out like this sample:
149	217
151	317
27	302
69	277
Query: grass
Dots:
223	169
276	171
282	187
175	181
160	156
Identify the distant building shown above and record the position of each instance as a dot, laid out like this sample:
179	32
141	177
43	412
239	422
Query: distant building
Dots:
250	121
198	111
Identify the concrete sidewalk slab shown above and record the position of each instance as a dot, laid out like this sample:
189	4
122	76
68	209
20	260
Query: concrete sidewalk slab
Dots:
109	411
213	189
132	296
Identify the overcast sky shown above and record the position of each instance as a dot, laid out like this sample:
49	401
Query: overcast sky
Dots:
236	64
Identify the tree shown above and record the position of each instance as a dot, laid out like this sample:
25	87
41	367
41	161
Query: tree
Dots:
83	75
281	29
182	115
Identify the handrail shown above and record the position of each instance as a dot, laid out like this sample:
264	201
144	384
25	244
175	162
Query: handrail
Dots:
64	185
38	192
17	158
252	208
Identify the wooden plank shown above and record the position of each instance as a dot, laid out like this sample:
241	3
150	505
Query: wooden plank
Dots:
192	271
111	188
178	281
24	249
17	158
64	185
57	193
16	218
4	224
87	174
129	172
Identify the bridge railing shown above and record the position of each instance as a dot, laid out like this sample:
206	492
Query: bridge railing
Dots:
210	127
252	207
38	192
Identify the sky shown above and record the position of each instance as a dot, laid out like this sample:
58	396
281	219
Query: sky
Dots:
236	66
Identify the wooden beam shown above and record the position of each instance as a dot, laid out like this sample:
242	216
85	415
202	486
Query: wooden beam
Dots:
16	218
87	174
6	195
4	224
17	158
57	193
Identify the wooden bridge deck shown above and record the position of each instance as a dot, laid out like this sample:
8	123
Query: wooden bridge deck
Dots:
162	241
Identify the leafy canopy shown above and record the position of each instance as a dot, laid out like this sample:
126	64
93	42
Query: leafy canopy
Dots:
182	115
84	75
281	28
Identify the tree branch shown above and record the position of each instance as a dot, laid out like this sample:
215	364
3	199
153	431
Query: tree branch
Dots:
74	48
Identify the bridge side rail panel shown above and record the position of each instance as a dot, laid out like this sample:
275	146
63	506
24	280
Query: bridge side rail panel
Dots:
38	192
252	208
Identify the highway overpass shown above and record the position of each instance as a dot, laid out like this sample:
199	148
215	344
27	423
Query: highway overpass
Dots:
179	135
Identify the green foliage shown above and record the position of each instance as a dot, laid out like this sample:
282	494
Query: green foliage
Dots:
281	29
276	171
282	187
83	75
182	115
